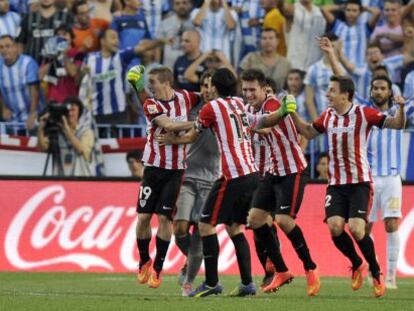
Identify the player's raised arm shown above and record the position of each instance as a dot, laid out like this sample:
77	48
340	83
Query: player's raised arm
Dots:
306	129
269	120
397	122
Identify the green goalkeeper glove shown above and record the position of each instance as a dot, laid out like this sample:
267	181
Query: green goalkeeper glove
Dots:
288	105
135	77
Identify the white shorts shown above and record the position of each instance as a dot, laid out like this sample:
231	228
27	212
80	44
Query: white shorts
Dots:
387	197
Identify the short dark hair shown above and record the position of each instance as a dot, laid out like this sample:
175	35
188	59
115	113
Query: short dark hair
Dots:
346	85
7	36
207	74
134	154
322	155
103	32
254	75
381	67
74	100
271	30
393	1
76	4
382	78
163	74
357	2
225	82
270	82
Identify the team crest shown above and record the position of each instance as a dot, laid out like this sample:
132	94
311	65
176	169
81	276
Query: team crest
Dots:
142	203
152	109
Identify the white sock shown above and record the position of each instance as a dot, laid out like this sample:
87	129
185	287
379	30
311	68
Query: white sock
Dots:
393	249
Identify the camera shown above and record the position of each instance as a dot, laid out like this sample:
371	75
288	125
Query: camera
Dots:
56	112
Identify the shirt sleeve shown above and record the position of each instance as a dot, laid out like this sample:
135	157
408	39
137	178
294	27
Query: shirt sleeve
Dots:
32	72
206	117
22	38
318	124
270	106
374	117
152	109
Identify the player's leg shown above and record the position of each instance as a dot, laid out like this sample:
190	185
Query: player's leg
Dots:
292	189
201	190
166	204
391	213
207	229
360	201
336	211
146	206
264	202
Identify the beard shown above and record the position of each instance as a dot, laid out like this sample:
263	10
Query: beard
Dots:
379	101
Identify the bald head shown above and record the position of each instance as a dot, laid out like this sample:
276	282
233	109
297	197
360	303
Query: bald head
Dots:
190	41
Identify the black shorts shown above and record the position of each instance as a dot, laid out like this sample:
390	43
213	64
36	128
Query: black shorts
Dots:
281	194
229	200
159	191
349	201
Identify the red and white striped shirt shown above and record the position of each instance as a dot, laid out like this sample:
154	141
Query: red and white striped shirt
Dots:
287	155
260	147
348	142
177	109
228	120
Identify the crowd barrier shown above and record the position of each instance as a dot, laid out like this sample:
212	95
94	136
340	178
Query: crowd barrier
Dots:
80	225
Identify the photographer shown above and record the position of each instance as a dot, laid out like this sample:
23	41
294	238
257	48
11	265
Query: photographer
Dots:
74	141
61	67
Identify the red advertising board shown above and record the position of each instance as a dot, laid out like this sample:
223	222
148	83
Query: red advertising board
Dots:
90	226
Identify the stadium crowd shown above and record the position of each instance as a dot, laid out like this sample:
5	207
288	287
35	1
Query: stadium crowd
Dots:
53	49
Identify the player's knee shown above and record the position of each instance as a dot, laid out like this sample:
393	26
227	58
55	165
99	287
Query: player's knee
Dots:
164	221
357	231
285	222
206	229
234	229
180	228
391	224
257	218
336	228
144	220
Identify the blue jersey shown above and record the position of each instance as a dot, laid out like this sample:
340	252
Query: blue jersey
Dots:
318	77
131	29
384	145
355	40
108	81
10	24
14	85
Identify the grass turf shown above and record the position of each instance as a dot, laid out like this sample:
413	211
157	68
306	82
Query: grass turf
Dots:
96	291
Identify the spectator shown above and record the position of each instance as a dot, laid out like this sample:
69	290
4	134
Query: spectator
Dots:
382	71
353	33
322	166
267	59
295	86
135	166
250	16
389	36
217	24
75	142
317	81
274	19
61	69
207	61
190	45
105	82
304	22
362	75
37	27
131	27
271	87
103	9
9	21
173	27
19	84
409	85
85	28
154	10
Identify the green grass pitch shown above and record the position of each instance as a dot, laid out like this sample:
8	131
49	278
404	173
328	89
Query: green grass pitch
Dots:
98	291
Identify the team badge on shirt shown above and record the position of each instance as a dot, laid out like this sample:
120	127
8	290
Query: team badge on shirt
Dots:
152	109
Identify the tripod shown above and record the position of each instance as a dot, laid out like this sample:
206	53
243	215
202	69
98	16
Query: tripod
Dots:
54	153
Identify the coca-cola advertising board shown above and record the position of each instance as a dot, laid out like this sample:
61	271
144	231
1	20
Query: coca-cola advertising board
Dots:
90	226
